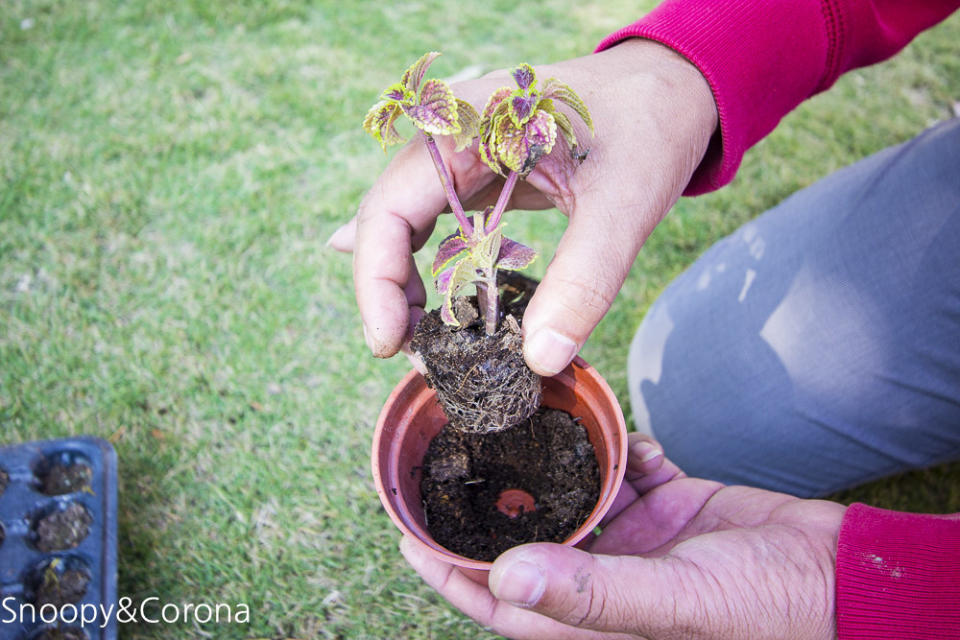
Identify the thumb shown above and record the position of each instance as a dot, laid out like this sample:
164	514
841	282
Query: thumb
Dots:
604	593
590	265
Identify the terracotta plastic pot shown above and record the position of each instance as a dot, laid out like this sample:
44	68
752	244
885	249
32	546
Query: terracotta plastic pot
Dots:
412	416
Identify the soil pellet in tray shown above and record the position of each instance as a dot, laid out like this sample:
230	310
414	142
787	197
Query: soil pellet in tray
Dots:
65	529
58	589
4	480
478	488
62	479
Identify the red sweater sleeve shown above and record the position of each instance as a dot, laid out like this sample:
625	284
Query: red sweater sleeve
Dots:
898	575
763	57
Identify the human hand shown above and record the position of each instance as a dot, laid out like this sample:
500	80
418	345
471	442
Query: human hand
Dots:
654	115
678	558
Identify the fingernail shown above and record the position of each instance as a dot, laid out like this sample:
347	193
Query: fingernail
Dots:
339	237
521	584
645	451
549	352
415	360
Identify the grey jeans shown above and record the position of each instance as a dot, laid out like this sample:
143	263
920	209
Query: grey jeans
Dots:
818	347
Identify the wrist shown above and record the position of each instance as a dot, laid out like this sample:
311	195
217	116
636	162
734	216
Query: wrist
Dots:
677	80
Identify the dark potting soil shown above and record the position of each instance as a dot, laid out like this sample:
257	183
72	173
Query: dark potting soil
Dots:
482	382
62	479
65	529
4	481
548	458
59	589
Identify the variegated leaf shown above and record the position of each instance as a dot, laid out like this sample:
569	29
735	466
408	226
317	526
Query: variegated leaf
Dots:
524	76
446	313
452	247
398	93
413	76
469	125
496	99
436	109
561	92
514	256
566	130
442	279
487	148
461	275
520	149
521	106
380	123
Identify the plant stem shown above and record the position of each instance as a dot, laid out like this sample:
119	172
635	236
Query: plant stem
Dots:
447	183
502	201
490	301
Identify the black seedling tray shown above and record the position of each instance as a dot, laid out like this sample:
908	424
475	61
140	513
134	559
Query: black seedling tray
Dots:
23	504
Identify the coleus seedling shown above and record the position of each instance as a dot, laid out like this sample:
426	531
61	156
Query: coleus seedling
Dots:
517	128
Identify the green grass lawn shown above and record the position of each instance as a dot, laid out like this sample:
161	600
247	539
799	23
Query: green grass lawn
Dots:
170	172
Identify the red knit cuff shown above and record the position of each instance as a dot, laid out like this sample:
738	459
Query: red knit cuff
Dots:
898	575
760	64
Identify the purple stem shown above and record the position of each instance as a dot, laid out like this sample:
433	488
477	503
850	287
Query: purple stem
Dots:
502	201
447	183
488	300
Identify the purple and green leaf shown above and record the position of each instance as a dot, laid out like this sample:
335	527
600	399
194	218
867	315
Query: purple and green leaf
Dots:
518	127
494	102
521	107
451	248
520	149
380	123
524	76
436	109
553	89
461	274
398	93
413	76
514	256
469	125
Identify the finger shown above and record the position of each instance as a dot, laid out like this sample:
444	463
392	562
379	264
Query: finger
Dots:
622	594
477	602
625	497
399	210
644	454
344	238
647	467
656	521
